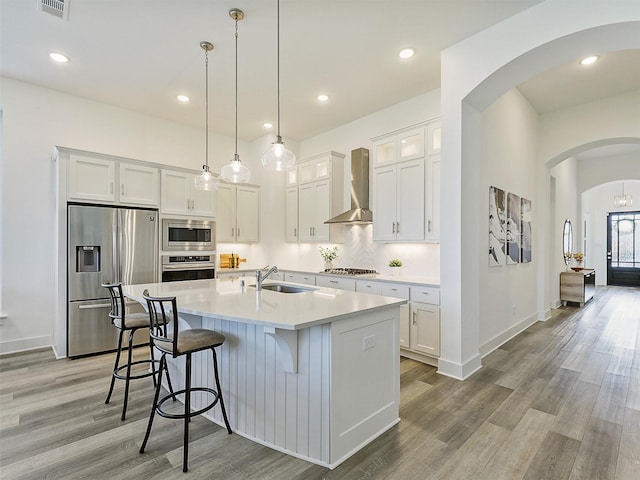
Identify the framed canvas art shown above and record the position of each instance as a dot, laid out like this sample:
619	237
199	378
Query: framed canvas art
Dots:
525	228
497	221
514	216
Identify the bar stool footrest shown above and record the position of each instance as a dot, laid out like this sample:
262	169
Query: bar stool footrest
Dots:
123	376
177	416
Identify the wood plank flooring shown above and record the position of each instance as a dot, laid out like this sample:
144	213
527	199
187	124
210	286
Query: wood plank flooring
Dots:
559	401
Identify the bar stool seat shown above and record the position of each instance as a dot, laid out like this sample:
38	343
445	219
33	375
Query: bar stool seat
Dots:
128	322
174	342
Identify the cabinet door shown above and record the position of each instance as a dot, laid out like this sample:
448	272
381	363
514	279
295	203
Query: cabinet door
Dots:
425	328
203	202
405	324
247	214
434	139
176	188
411	144
291	219
433	198
383	151
322	211
410	193
306	214
226	214
91	179
139	185
384	203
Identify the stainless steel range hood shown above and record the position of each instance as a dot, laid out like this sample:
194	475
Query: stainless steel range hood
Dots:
359	214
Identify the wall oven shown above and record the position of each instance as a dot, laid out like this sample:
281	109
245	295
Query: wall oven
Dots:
188	235
177	268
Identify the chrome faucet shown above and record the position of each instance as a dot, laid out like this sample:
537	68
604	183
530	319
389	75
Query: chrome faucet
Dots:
261	276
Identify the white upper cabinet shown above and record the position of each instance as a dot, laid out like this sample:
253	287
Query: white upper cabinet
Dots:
91	179
291	218
138	184
180	197
406	184
398	204
238	213
433	181
315	194
103	180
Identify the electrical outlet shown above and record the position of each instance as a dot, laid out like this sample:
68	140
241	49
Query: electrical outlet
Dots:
368	342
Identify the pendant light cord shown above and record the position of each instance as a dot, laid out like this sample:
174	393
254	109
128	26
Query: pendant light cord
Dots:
236	145
206	109
278	66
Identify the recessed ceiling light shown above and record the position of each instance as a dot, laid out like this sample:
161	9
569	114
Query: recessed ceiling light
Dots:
183	98
322	97
406	53
58	57
267	125
589	60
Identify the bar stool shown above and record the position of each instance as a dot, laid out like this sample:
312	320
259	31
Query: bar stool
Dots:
162	312
128	322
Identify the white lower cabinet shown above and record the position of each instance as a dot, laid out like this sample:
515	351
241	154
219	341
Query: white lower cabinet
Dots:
400	291
303	278
336	282
424	329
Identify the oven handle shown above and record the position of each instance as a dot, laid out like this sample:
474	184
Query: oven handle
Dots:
193	266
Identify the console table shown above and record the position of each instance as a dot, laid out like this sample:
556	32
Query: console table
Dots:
578	286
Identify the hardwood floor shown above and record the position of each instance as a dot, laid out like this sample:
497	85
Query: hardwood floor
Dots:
559	401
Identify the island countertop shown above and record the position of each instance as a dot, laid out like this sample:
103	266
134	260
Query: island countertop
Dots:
228	299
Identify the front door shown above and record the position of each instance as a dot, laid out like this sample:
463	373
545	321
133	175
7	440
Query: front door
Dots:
623	249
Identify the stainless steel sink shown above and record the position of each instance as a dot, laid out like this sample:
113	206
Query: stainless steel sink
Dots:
284	288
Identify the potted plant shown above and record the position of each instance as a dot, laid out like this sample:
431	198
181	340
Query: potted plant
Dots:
395	265
329	255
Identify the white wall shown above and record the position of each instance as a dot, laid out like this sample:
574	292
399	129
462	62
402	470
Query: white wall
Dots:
509	160
475	73
358	249
596	203
34	121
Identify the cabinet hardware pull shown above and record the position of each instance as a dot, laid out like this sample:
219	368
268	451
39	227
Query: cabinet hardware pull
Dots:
333	281
393	227
398	227
414	318
233	232
429	225
295	232
238	231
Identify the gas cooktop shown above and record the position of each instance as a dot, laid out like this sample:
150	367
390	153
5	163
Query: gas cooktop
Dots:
349	271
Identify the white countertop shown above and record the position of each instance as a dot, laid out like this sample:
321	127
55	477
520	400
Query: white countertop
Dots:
225	298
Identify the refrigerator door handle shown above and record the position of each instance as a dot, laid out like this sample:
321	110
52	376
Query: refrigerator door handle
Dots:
117	221
95	305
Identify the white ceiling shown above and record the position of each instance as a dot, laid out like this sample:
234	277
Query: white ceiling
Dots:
139	54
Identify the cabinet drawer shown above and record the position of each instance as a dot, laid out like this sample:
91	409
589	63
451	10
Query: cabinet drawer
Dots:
364	286
300	278
341	283
425	295
393	290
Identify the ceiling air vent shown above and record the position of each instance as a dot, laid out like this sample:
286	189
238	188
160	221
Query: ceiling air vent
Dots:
58	8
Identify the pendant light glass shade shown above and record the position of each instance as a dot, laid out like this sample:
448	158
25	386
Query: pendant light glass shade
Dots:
206	180
277	157
622	201
234	171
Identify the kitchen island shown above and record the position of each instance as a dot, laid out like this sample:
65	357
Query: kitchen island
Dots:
314	374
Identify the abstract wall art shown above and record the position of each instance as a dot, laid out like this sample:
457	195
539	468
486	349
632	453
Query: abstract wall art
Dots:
514	216
525	228
497	223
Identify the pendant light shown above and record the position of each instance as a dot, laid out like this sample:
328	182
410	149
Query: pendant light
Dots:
206	180
277	157
234	171
622	201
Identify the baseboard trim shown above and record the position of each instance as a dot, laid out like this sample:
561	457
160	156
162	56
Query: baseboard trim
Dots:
459	371
506	335
25	344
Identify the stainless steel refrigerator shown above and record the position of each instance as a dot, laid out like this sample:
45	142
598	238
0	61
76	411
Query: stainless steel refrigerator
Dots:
106	244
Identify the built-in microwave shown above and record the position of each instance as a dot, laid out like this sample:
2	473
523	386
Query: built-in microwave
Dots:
180	234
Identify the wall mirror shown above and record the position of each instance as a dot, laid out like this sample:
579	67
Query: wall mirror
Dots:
567	241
